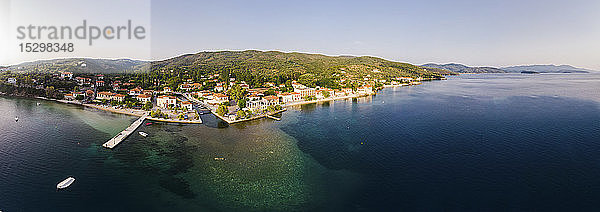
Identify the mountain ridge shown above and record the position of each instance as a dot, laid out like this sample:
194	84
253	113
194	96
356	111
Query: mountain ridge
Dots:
547	69
460	68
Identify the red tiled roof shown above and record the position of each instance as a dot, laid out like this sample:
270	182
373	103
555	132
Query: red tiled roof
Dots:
166	97
271	98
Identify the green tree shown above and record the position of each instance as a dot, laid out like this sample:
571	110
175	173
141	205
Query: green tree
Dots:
241	103
326	94
237	92
222	110
147	106
240	114
270	92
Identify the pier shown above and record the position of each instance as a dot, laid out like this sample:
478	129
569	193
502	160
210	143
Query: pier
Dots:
273	117
124	134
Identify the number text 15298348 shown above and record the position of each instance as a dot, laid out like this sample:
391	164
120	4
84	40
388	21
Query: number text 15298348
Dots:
46	47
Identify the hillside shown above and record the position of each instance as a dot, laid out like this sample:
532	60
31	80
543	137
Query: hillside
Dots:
459	68
80	65
258	67
547	69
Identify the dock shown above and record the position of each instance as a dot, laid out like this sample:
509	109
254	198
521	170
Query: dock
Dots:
124	134
273	117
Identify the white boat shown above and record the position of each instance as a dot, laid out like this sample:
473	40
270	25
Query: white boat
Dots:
143	134
38	104
16	118
65	183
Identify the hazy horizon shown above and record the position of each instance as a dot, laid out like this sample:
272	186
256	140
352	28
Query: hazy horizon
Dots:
473	33
151	60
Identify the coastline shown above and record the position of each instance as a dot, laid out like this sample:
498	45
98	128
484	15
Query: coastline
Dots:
140	113
130	112
327	99
248	119
136	113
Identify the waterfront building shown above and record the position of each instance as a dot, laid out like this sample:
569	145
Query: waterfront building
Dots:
286	97
296	96
105	95
143	98
76	94
119	97
271	100
347	91
187	105
69	96
367	89
219	98
166	101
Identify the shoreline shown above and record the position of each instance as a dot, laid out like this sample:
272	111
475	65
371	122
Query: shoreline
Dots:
248	119
327	100
139	113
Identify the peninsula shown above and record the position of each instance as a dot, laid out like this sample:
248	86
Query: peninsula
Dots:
234	85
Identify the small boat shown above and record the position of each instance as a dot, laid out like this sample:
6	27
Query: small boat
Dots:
65	183
149	123
143	134
38	104
16	119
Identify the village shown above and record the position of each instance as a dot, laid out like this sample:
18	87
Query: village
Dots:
230	100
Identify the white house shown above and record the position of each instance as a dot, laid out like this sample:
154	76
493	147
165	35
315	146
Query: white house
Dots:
105	95
271	100
143	98
187	105
296	97
119	97
220	98
286	97
166	101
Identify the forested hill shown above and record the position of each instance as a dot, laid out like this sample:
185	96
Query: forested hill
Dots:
256	67
79	65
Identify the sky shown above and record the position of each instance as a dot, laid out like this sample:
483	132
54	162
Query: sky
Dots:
475	33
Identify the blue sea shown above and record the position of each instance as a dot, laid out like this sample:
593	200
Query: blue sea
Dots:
519	142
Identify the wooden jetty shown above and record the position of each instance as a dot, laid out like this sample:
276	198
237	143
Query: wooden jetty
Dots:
273	117
124	134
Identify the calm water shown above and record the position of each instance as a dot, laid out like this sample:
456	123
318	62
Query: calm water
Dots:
473	142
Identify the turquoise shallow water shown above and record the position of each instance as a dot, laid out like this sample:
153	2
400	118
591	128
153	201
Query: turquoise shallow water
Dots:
473	142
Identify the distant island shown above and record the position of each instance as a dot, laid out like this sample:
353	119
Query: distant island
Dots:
547	69
459	68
